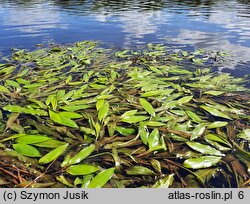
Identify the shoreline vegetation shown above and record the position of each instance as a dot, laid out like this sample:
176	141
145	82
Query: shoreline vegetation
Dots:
85	116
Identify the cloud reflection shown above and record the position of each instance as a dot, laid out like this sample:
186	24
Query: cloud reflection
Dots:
34	21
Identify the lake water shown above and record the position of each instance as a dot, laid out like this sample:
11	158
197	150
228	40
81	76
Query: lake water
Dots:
209	24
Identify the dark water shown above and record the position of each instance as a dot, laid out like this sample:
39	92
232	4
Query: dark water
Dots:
209	24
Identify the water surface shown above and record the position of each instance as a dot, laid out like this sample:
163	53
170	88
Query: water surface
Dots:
213	25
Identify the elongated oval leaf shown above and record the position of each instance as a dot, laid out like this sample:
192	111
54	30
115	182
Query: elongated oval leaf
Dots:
217	124
134	119
144	134
201	162
61	119
71	115
147	106
82	154
140	170
214	93
164	182
32	139
185	99
26	150
218	138
125	131
81	169
103	112
52	155
198	131
153	139
194	117
129	113
245	134
215	112
50	144
205	149
4	89
102	178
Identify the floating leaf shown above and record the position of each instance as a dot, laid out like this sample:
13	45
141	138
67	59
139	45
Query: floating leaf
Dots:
52	155
103	112
218	138
217	124
101	179
204	149
61	119
215	112
193	116
134	119
154	123
164	182
198	131
140	170
50	144
81	169
144	134
129	113
26	150
27	110
184	100
214	93
4	89
153	139
201	162
82	154
31	139
245	134
147	106
125	131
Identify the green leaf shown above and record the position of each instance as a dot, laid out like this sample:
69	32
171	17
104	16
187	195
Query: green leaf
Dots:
27	110
134	119
153	139
50	144
147	106
103	111
164	182
185	99
215	112
154	123
81	169
217	124
218	138
73	108
70	115
204	149
129	113
144	134
58	118
125	131
193	116
82	154
102	178
4	89
31	139
52	155
201	162
26	150
214	93
140	170
245	134
198	131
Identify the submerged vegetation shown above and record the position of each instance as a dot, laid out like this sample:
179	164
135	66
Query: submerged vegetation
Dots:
85	116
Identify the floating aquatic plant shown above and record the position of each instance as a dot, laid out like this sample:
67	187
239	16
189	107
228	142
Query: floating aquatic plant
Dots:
85	116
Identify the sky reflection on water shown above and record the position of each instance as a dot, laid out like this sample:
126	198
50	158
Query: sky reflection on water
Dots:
213	25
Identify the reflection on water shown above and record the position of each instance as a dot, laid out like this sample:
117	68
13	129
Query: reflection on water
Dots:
210	24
